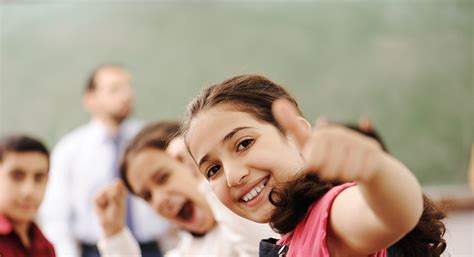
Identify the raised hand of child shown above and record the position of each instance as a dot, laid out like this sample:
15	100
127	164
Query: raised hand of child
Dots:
333	151
110	206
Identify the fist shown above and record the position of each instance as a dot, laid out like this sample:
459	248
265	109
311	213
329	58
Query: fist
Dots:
110	203
332	151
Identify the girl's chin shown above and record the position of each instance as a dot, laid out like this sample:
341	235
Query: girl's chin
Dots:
262	220
259	217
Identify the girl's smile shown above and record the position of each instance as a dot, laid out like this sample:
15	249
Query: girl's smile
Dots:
254	192
242	158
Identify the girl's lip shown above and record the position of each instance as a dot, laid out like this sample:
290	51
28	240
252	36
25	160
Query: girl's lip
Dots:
260	194
251	186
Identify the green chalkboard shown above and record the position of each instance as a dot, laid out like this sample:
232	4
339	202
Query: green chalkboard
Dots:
406	64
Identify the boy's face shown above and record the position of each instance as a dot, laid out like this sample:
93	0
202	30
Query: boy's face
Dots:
23	177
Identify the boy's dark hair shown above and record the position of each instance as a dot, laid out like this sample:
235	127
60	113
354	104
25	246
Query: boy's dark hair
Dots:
156	136
20	144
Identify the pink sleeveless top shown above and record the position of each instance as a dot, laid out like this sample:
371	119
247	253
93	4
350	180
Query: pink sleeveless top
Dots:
309	237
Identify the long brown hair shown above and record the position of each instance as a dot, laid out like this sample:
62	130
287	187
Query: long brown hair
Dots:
252	94
255	95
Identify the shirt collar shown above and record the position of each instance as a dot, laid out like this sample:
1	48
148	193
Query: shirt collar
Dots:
38	239
37	236
6	226
101	131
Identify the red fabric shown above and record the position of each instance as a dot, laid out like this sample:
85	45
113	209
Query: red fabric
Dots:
309	236
11	245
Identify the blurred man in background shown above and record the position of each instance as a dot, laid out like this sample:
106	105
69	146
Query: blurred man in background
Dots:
85	160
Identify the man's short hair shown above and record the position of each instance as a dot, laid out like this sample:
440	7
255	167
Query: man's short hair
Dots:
91	84
20	144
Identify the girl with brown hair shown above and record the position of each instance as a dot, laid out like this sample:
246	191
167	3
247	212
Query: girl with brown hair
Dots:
249	139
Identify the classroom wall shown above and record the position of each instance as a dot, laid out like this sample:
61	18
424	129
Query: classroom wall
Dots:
408	65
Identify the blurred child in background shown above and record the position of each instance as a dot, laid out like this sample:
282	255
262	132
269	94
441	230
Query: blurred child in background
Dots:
157	168
24	167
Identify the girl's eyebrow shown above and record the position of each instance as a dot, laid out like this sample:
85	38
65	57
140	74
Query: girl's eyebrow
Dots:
224	140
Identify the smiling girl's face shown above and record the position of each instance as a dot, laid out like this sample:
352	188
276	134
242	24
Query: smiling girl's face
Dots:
243	158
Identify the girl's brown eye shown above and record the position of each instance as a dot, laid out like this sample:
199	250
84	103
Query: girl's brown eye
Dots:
212	171
244	144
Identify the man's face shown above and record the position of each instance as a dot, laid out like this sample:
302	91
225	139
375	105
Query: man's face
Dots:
113	96
23	178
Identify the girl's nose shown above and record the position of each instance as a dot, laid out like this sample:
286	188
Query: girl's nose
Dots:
235	174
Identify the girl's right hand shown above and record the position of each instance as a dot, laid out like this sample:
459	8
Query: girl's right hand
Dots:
332	151
386	203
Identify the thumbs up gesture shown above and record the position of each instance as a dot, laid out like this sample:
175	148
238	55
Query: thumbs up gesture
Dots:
333	152
110	204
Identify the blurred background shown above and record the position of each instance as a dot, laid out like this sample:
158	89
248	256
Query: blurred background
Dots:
406	64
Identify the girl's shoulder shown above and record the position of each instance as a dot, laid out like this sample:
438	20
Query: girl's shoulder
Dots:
318	213
324	204
309	236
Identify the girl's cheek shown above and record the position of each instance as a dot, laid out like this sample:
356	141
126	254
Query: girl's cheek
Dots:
221	191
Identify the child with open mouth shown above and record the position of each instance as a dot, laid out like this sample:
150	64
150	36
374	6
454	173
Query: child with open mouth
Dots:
157	167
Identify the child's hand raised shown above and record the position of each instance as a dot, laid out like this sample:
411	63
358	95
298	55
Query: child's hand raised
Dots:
110	204
332	151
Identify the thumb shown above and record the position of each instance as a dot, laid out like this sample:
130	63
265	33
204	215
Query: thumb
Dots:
287	116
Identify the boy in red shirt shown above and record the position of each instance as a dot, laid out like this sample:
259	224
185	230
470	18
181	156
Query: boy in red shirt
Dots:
24	164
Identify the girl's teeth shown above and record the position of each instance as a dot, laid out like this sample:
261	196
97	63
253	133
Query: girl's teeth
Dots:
254	192
249	196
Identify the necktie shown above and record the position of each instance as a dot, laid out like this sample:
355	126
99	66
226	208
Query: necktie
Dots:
116	158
